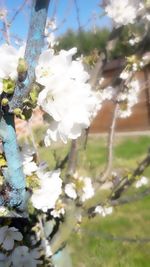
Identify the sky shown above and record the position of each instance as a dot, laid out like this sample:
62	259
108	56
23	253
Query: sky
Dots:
70	14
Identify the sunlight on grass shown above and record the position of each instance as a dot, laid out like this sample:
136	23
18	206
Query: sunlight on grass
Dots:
93	245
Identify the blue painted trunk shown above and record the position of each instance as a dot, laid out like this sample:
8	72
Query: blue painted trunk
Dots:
14	177
14	195
34	46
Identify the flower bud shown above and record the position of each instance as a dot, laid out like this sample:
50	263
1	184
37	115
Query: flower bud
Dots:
8	86
17	111
22	70
22	117
132	59
22	65
4	102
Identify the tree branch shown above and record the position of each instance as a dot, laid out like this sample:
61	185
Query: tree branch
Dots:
108	167
72	158
126	182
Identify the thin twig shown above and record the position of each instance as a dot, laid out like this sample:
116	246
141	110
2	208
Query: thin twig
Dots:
108	167
130	199
30	131
66	15
77	15
18	11
61	164
126	182
43	237
96	72
112	237
117	202
6	30
86	138
72	158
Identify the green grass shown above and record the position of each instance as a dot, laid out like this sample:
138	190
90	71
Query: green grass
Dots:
94	242
132	147
92	245
127	152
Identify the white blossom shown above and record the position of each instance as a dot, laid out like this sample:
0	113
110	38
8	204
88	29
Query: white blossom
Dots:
3	211
59	209
124	113
122	12
69	101
88	190
9	61
29	166
134	66
128	98
80	187
103	211
143	181
147	16
144	11
146	58
50	189
51	24
107	93
51	40
8	235
49	34
22	257
102	79
47	248
70	190
124	74
134	40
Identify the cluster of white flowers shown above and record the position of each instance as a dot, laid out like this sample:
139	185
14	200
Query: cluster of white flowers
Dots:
80	187
128	98
59	209
134	40
49	34
50	189
146	58
122	12
107	93
66	97
103	211
9	61
29	165
143	181
144	10
47	248
127	12
46	197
